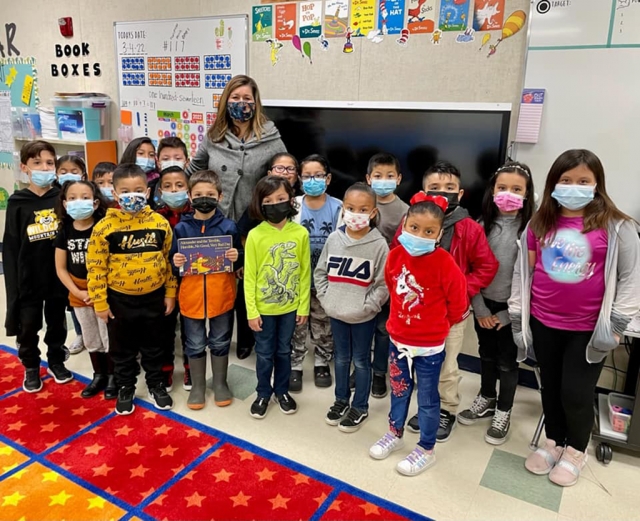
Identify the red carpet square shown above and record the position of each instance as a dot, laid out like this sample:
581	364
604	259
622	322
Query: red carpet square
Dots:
346	506
131	456
235	484
41	420
12	373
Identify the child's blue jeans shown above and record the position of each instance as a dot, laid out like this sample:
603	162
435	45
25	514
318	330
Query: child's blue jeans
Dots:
218	339
427	373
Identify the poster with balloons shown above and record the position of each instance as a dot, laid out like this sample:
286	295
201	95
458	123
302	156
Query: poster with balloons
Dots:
488	15
391	16
336	18
512	25
454	15
421	16
285	27
363	17
310	20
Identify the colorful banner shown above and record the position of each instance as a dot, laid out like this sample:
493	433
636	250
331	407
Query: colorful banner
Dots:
421	16
310	19
262	22
285	21
336	18
363	17
391	16
454	15
488	15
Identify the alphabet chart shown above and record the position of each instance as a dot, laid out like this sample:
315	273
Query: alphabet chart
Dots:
171	73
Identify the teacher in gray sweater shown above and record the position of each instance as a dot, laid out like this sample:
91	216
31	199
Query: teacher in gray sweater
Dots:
239	145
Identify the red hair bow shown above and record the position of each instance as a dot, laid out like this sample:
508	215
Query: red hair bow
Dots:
438	200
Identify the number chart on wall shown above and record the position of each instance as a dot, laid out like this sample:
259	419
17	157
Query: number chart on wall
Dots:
171	73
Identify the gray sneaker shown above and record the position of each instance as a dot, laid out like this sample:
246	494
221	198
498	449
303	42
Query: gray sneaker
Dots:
481	408
77	345
497	433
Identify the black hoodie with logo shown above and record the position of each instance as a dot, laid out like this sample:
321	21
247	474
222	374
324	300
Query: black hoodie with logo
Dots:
29	253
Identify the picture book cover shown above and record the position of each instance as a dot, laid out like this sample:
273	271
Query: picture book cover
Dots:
205	255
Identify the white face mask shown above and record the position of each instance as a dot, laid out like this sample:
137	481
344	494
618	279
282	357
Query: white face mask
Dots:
171	162
356	221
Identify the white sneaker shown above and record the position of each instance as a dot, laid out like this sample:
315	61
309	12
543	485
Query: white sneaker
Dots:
416	462
77	345
386	445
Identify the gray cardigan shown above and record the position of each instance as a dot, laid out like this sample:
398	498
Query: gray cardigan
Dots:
621	300
240	165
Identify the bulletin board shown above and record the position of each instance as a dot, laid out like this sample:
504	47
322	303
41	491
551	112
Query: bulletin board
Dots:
171	73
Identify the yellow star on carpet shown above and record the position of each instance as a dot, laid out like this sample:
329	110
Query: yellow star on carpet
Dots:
205	448
320	499
370	509
223	475
43	395
193	432
7	379
167	451
123	431
189	475
13	499
52	444
93	449
50	476
163	429
195	500
102	470
13	410
134	449
146	494
96	502
139	471
245	454
16	426
84	426
148	415
240	500
279	502
177	469
335	505
49	427
19	474
301	479
11	365
158	501
6	451
80	411
49	410
60	499
265	474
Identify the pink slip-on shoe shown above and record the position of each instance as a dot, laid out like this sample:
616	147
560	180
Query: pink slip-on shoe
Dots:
543	459
567	470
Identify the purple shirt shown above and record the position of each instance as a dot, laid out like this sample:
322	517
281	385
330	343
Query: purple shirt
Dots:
568	277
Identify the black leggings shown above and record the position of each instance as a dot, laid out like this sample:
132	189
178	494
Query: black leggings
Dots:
568	383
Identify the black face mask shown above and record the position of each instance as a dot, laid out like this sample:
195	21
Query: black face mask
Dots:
204	204
452	197
276	213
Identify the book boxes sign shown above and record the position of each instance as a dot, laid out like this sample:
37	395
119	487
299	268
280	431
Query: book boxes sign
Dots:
71	64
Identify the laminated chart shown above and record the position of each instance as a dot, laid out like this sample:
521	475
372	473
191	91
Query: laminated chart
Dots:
160	79
187	63
156	63
132	64
216	81
133	79
217	62
188	79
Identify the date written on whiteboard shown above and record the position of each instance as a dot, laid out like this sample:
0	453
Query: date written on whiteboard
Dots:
132	49
131	42
176	42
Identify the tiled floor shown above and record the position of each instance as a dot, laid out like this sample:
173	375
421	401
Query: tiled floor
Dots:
471	480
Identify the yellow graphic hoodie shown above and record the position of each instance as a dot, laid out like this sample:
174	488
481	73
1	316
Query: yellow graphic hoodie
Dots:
129	253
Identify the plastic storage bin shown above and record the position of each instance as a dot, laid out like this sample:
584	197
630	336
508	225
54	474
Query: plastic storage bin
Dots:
82	117
620	407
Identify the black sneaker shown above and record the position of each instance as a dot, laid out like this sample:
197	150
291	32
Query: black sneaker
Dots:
32	382
379	385
60	373
447	424
160	398
243	352
497	433
481	408
124	405
322	376
336	412
295	381
413	425
353	420
287	404
259	408
352	381
186	380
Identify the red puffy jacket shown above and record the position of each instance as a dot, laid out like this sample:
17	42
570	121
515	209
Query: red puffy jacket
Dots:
471	251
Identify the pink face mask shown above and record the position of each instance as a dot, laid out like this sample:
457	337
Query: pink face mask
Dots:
508	202
356	221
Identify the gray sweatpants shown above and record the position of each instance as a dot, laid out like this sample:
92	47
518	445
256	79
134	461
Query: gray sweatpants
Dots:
321	338
94	330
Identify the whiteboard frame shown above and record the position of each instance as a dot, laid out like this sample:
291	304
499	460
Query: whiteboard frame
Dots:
392	105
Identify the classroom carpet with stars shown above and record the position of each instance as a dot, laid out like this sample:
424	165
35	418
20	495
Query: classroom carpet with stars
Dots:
65	457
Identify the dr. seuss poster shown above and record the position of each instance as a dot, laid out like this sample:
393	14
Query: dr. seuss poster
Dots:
363	16
454	15
488	15
336	18
391	16
285	21
421	16
262	22
310	19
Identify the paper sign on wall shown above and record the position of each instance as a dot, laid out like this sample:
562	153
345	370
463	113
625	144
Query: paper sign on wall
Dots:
391	16
26	90
421	16
454	15
285	27
336	18
488	15
530	118
310	20
363	16
262	22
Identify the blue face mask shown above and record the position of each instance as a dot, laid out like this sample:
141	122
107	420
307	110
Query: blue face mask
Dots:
175	199
43	178
574	197
384	187
314	187
416	246
107	191
147	164
241	110
65	178
80	209
132	202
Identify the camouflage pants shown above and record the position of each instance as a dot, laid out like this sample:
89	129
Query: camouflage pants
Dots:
320	339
